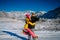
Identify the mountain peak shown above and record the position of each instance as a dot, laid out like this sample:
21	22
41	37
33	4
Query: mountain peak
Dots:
55	13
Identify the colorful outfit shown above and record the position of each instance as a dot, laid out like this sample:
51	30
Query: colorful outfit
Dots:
29	25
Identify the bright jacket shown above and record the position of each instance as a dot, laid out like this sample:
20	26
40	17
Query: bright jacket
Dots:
28	24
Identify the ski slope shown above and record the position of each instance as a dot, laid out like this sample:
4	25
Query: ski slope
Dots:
12	30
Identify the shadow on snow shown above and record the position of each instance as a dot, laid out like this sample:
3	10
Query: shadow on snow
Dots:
13	34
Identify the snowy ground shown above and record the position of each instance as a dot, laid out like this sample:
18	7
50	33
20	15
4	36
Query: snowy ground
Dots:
12	30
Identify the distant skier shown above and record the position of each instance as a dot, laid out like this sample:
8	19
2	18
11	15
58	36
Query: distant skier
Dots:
30	25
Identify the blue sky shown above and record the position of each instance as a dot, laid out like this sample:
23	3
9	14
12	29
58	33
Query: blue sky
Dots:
35	5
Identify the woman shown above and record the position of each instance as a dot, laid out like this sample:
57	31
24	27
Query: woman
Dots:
29	25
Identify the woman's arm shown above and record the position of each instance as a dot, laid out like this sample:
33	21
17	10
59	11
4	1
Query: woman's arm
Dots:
31	23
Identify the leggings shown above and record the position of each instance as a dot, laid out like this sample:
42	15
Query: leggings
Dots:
30	32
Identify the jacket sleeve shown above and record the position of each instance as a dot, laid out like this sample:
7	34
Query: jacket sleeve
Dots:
31	23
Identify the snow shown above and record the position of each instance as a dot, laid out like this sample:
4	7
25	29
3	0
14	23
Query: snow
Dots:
12	30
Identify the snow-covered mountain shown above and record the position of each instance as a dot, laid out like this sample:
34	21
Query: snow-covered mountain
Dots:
3	14
16	14
55	13
19	14
40	13
13	14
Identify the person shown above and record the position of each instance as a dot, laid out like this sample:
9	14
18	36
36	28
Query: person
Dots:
29	25
33	19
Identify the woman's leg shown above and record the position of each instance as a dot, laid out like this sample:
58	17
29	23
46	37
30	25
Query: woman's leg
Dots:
31	32
29	36
33	37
